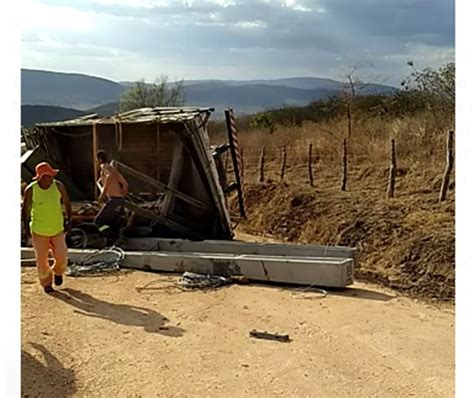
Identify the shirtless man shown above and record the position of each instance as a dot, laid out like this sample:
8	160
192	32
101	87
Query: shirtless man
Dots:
114	188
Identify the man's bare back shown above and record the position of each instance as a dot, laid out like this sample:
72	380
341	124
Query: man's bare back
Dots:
113	183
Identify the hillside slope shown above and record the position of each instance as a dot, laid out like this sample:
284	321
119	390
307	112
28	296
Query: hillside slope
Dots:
82	92
32	114
69	90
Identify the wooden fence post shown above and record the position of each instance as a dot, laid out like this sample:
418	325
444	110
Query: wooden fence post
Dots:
283	163
344	166
449	166
261	177
310	166
242	166
393	171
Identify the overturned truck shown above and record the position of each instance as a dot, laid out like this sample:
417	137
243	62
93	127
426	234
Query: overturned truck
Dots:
174	185
178	219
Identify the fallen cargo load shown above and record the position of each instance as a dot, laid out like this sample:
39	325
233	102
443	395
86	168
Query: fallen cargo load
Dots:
293	264
239	247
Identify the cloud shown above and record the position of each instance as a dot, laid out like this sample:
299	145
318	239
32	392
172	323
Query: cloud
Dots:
271	38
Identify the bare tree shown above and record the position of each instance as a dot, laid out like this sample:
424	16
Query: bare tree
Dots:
353	86
160	93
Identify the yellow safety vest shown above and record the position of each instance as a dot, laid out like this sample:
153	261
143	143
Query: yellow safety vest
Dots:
46	210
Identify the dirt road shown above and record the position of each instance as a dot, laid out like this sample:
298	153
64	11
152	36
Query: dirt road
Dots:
106	337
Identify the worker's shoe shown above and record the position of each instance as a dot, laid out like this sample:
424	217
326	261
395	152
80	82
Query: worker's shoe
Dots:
48	289
58	280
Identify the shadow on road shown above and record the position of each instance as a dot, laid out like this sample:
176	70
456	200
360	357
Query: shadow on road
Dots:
123	314
361	293
50	380
317	292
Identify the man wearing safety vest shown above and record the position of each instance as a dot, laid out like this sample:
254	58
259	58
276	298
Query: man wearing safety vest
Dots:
44	221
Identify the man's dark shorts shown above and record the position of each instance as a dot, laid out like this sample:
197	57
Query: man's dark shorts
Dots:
111	213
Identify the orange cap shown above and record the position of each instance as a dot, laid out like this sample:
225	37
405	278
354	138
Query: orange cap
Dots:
44	168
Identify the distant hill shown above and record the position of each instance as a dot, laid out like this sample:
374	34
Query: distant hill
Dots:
105	110
250	98
96	95
305	83
69	90
32	114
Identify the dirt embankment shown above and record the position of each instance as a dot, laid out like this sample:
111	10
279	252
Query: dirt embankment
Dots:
406	243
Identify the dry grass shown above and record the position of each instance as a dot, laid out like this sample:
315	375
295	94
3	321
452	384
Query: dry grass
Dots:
419	141
406	242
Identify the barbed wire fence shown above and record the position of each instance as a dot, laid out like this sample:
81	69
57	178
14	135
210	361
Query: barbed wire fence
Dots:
288	163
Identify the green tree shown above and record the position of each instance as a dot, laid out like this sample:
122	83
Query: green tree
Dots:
160	93
264	121
437	88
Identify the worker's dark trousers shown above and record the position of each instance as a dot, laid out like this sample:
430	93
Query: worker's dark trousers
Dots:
111	213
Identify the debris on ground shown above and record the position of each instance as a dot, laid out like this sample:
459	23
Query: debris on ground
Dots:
191	280
285	338
101	262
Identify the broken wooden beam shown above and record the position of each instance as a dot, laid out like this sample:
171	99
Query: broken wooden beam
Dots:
174	177
163	187
179	228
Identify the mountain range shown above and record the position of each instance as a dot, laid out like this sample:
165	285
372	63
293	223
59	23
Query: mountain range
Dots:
51	96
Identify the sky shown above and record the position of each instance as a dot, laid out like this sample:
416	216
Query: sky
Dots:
126	40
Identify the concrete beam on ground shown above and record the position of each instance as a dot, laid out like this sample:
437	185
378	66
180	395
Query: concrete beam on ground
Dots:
317	271
238	247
